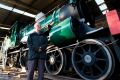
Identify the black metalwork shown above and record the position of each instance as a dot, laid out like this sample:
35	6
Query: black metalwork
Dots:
55	62
92	60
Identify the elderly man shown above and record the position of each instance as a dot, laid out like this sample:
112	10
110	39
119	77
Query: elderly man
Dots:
37	43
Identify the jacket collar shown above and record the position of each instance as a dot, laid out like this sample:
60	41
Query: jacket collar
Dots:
40	33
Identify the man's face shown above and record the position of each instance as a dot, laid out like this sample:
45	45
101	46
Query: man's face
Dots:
37	26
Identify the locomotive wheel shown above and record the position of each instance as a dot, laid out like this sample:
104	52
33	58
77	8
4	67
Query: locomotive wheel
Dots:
12	60
93	60
55	62
23	59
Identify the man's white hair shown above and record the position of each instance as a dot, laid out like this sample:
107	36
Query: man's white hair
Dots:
36	25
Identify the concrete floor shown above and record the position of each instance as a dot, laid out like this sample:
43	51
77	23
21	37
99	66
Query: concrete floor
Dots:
16	74
13	74
4	76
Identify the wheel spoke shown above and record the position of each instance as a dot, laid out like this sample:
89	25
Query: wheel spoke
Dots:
54	53
53	67
79	61
83	68
98	68
82	48
79	54
89	48
96	51
100	59
56	66
49	66
49	54
47	61
57	55
58	61
91	69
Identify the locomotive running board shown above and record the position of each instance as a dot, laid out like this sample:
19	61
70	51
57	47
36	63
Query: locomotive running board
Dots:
18	51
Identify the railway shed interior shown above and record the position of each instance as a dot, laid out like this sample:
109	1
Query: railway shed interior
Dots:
95	13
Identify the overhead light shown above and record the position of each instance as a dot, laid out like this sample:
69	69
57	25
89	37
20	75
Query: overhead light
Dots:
4	28
29	14
103	7
99	2
18	11
39	17
6	7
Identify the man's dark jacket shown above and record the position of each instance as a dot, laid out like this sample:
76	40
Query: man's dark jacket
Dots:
34	42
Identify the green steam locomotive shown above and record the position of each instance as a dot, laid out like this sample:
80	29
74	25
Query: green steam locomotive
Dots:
73	45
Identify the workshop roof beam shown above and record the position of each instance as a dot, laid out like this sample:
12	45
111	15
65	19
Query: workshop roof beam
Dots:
21	4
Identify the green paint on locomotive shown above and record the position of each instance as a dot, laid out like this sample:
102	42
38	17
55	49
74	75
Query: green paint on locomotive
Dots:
60	33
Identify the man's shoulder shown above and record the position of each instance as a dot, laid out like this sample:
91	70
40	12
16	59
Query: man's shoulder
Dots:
32	34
